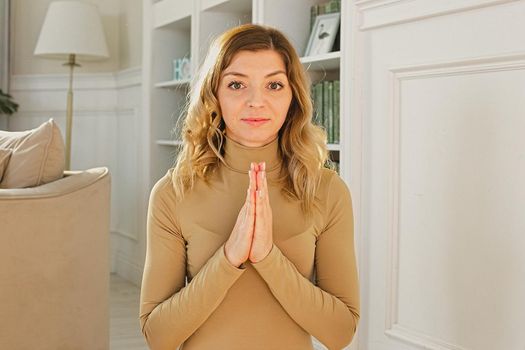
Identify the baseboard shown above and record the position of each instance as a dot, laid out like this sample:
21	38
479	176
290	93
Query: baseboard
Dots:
126	268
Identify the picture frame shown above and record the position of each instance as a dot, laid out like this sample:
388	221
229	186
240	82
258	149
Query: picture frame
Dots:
322	36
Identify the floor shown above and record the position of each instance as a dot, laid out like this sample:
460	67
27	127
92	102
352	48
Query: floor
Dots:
124	326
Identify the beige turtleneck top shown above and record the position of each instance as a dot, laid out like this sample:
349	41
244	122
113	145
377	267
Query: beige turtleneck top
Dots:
193	297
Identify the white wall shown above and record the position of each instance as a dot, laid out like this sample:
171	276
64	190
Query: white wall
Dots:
107	110
130	33
28	17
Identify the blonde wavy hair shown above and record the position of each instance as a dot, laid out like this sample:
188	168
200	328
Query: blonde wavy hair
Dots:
302	144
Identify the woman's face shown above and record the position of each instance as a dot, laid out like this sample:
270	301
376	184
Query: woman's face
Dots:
254	95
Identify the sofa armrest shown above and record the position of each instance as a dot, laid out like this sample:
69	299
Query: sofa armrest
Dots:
54	258
72	181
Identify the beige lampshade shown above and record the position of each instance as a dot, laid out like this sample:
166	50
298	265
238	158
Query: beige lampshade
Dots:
72	27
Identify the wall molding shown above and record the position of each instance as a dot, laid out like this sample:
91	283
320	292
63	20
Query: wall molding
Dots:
128	77
122	233
81	81
374	14
477	65
127	269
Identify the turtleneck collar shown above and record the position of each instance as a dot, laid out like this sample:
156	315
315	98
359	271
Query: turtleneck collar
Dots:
238	157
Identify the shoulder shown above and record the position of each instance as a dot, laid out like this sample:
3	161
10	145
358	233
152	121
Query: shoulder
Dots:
333	190
162	192
332	183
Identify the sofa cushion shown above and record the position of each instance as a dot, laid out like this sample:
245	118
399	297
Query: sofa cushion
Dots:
5	154
37	156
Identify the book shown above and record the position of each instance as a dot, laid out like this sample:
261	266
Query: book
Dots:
318	103
314	11
337	115
328	111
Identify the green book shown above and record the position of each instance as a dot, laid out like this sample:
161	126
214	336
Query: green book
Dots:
318	103
330	7
335	6
337	115
321	9
331	111
328	109
313	13
336	166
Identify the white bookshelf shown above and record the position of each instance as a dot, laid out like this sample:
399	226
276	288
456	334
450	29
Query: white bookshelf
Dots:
177	28
329	61
169	142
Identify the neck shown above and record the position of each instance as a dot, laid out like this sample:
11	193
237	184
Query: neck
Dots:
238	157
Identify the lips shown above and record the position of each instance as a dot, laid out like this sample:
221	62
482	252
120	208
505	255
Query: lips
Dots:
255	121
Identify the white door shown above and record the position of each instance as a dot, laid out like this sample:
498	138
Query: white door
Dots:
438	119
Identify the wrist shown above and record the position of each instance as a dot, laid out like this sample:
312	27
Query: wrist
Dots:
230	260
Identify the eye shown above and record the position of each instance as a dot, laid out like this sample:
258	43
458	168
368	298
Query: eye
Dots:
235	85
276	85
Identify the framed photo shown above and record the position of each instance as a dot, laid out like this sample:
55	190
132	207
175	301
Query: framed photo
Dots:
323	34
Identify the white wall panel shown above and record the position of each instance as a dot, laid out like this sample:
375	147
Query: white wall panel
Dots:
439	88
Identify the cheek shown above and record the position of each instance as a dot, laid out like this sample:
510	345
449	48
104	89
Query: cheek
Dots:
283	104
229	105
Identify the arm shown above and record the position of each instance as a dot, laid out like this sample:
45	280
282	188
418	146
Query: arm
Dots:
329	310
169	311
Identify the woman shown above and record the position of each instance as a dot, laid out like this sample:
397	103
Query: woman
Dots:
249	213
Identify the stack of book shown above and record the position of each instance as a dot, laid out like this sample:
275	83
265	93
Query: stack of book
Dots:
325	96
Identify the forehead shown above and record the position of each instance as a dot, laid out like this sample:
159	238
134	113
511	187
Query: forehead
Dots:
256	62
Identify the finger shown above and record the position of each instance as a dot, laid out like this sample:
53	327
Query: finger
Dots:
252	169
262	167
250	203
253	180
266	191
256	172
253	188
260	184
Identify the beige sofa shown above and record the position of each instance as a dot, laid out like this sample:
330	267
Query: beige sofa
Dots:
54	263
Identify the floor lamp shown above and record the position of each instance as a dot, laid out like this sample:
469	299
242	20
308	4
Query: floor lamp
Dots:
71	30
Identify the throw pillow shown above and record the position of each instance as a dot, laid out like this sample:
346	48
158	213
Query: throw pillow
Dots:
37	156
5	154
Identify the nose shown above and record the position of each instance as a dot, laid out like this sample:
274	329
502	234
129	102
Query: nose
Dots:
255	98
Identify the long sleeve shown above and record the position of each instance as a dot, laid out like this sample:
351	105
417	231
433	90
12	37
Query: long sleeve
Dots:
171	312
330	309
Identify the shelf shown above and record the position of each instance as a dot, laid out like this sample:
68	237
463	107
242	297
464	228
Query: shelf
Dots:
322	62
227	5
168	142
173	83
334	147
172	12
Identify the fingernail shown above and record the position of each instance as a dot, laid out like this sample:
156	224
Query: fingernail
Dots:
264	165
251	165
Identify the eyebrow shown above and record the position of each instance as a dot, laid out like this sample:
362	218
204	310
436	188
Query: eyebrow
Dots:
244	75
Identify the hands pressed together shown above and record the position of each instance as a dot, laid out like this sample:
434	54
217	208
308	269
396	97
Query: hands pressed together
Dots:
252	236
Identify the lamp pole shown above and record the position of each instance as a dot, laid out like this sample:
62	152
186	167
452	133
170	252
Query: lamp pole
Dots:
69	112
